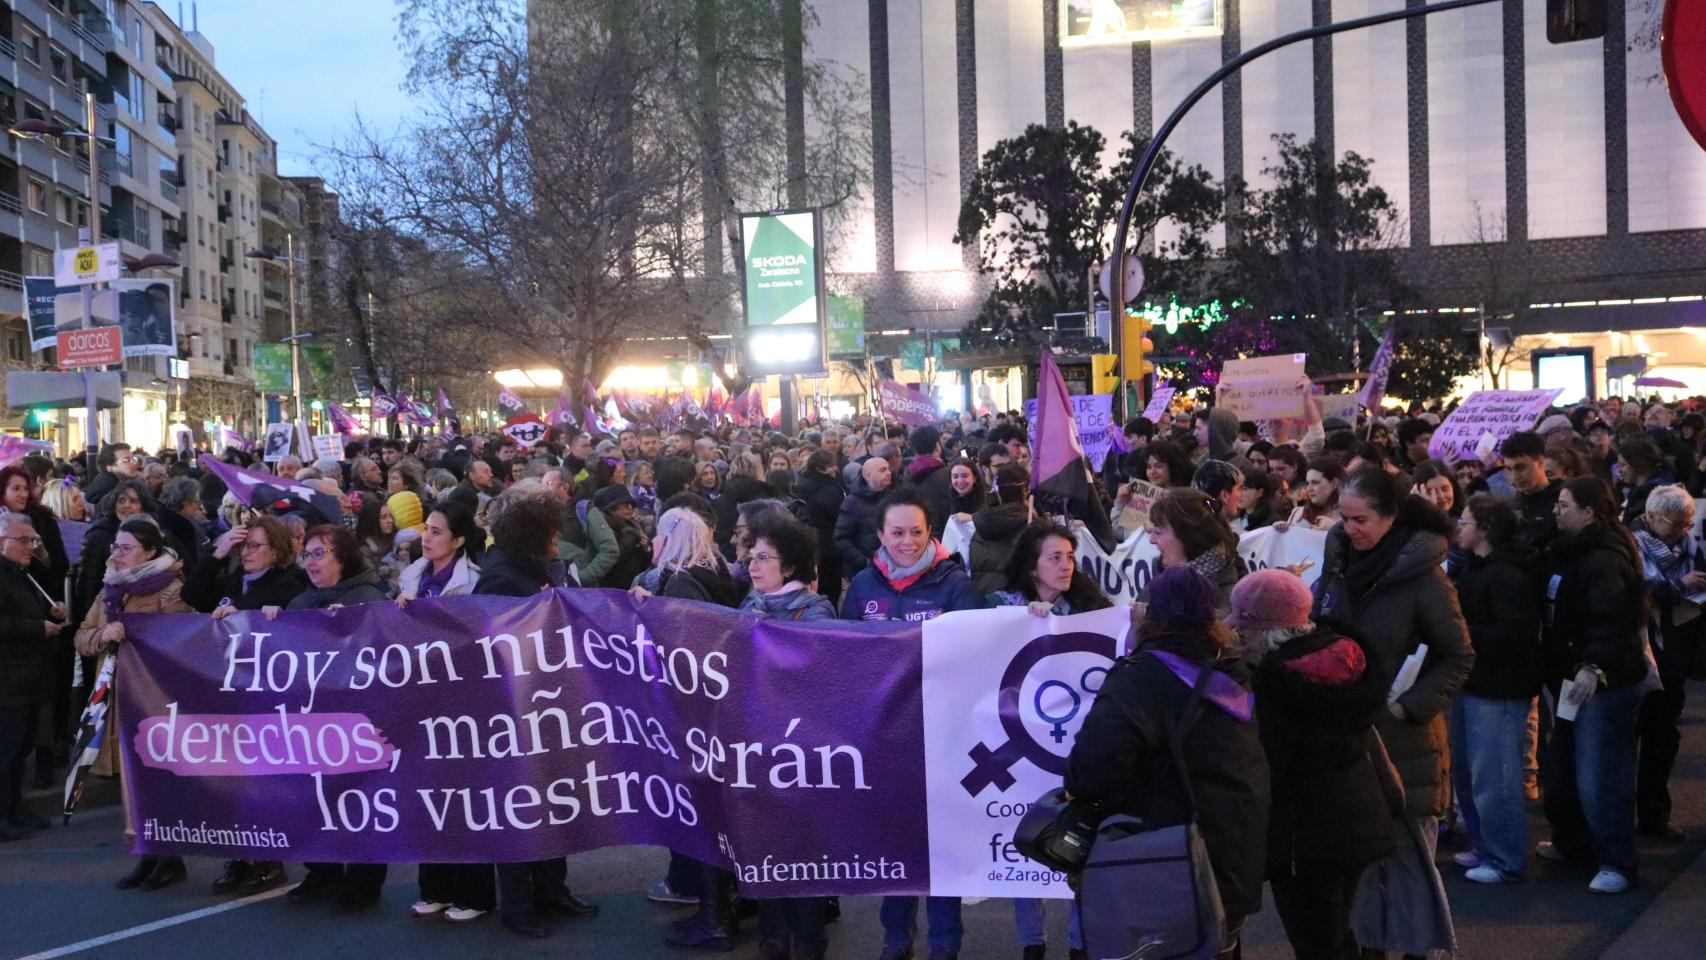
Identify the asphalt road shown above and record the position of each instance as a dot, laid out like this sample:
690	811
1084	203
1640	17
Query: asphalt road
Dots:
57	899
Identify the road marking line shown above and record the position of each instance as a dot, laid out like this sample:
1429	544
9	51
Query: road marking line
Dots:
141	929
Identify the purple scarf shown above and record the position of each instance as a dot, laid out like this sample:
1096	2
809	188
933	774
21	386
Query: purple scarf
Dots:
432	584
114	595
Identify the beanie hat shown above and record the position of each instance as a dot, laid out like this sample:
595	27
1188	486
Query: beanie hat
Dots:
1557	421
405	510
1182	595
1270	598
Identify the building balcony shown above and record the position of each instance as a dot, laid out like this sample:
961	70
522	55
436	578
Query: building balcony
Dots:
8	48
227	312
224	213
10	203
123	230
272	293
11	281
168	189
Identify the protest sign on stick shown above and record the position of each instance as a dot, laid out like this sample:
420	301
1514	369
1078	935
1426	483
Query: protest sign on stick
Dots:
1498	412
1262	388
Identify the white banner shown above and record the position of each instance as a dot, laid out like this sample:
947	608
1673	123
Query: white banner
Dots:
999	721
1268	547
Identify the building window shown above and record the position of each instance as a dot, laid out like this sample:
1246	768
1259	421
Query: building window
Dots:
138	108
29	44
57	66
39	262
17	348
67	209
37	196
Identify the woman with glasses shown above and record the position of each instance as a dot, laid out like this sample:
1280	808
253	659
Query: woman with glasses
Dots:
252	566
333	563
143	575
781	558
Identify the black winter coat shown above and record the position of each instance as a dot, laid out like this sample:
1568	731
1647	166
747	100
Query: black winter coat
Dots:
703	584
856	538
213	579
1500	595
995	530
1596	600
503	575
24	644
1316	705
823	494
361	588
930	478
92	564
1539	522
1410	603
1120	759
736	491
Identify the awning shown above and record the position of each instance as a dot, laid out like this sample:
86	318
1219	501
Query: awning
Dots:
61	390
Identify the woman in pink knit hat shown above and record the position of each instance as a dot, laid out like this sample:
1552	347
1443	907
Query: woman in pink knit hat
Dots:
1331	813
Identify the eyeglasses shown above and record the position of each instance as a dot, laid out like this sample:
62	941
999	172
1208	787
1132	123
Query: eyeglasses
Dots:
31	541
249	545
318	553
752	558
119	549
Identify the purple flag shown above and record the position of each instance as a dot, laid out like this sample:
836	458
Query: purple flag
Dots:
563	414
1058	448
510	401
1374	388
444	406
231	438
17	448
384	405
258	488
342	421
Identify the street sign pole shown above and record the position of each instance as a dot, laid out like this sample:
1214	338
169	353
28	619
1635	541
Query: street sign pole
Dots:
92	426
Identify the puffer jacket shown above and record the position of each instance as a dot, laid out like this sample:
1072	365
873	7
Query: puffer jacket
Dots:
823	494
1316	706
996	529
942	588
1120	757
1596	604
1410	603
856	539
169	599
1500	595
705	584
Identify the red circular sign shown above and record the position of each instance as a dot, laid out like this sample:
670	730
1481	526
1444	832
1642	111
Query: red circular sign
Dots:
1682	48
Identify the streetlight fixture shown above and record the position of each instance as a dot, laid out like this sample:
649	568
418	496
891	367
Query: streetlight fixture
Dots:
32	128
295	339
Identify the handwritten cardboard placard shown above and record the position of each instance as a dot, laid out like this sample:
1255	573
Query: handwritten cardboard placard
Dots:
1158	404
1497	412
1262	388
1341	405
1143	496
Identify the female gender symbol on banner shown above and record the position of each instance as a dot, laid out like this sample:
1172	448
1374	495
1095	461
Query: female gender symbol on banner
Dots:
990	766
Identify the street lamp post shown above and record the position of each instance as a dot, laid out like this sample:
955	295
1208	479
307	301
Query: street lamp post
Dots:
289	259
33	129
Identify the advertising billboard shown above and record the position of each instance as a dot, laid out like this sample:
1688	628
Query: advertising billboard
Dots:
783	291
1086	23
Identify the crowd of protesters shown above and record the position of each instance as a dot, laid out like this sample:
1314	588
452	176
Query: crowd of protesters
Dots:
1480	636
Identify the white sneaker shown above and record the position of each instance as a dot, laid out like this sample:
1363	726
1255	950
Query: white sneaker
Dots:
1547	850
1609	881
1467	858
427	908
463	914
1484	873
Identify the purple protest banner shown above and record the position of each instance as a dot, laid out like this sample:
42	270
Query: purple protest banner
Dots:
908	406
1374	388
508	730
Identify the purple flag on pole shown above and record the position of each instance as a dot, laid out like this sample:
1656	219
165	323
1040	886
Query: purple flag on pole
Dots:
510	401
563	414
444	406
1374	388
1058	470
231	438
256	487
342	422
384	405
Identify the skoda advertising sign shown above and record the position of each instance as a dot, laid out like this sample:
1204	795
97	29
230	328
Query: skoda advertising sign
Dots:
783	291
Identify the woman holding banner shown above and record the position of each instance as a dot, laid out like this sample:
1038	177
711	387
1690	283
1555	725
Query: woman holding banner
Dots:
782	560
1383	573
339	579
995	526
1320	509
912	577
521	562
1043	576
142	576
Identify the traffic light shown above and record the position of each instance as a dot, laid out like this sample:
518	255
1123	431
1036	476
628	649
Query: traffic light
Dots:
1571	20
1135	345
1104	372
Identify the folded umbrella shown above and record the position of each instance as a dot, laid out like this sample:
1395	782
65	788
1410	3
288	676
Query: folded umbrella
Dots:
91	733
